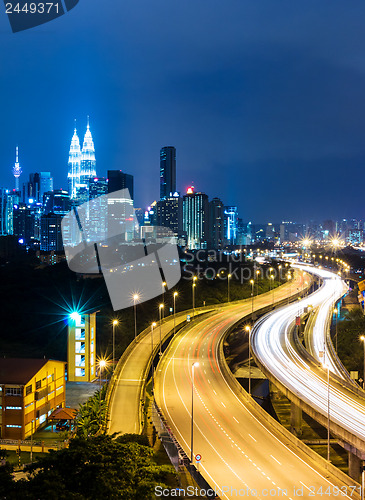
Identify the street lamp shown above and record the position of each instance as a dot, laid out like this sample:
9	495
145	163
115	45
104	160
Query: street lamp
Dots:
115	323
252	285
175	295
160	309
257	281
102	365
193	291
135	298
362	338
163	297
273	293
152	368
228	278
248	330
196	364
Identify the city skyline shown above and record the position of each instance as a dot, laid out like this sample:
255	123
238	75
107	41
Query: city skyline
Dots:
279	107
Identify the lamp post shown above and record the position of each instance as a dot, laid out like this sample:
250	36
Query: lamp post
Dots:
248	330
160	314
279	268
252	285
193	292
335	313
228	278
135	298
362	338
152	368
175	295
163	297
257	281
102	364
115	323
196	364
273	293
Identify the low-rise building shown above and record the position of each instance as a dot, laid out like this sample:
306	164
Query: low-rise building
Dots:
30	390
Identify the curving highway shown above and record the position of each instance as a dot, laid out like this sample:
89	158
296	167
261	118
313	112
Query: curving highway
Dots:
240	450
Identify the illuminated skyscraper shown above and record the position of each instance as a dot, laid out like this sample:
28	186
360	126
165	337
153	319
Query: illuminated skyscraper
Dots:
88	161
216	223
74	166
167	172
230	225
16	169
195	218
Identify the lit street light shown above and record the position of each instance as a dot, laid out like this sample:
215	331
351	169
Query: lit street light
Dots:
362	338
228	278
252	285
115	323
175	295
196	364
163	297
248	330
152	368
135	298
160	313
193	291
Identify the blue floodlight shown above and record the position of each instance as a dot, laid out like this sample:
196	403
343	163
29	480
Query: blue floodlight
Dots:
75	316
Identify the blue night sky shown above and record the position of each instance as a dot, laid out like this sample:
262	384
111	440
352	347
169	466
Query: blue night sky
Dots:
264	100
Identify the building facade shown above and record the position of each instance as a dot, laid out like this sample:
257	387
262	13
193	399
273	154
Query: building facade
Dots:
81	348
167	172
30	389
195	218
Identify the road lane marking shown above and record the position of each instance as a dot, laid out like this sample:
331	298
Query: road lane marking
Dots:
252	438
236	420
276	460
223	404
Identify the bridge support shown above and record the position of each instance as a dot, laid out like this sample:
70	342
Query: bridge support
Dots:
295	420
354	467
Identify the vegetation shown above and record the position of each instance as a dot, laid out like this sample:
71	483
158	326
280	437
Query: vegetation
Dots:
92	415
92	468
350	348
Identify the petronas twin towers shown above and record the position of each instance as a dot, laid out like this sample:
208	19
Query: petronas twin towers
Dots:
81	165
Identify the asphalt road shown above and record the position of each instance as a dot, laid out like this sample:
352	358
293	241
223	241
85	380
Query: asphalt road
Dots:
238	450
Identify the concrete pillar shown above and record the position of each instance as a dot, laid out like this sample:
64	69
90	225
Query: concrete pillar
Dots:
295	420
354	467
274	392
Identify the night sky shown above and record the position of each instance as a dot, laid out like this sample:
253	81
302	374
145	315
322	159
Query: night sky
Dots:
263	99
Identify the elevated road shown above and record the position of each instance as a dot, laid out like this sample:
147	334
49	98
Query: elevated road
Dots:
242	448
315	384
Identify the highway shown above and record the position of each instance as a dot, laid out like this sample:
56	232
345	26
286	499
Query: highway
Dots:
276	353
239	449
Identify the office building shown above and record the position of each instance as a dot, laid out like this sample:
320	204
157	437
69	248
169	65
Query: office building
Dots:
12	199
24	223
30	389
51	235
195	218
167	172
119	180
230	225
3	201
57	202
81	166
81	347
169	213
216	223
39	183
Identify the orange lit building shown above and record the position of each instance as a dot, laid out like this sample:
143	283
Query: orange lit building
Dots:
30	389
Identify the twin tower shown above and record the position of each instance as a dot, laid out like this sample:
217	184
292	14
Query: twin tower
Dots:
81	164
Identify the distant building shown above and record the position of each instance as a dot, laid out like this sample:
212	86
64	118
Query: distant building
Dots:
167	172
118	180
12	199
50	258
30	389
120	210
216	223
39	183
81	166
195	218
230	225
3	200
57	202
169	213
17	171
51	235
24	223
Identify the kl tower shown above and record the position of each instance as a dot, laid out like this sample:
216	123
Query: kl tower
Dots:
16	169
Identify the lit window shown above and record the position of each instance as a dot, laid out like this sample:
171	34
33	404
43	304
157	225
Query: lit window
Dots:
15	426
13	408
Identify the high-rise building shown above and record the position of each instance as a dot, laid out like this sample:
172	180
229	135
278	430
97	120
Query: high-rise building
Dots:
51	236
97	224
39	183
88	161
230	225
13	198
167	172
3	200
195	218
74	166
81	166
57	202
24	223
216	223
17	171
169	213
120	210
